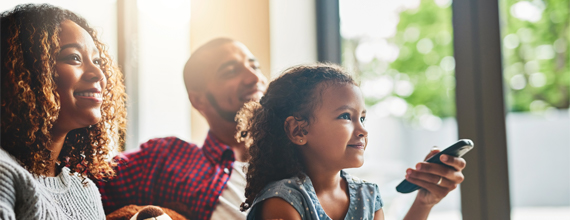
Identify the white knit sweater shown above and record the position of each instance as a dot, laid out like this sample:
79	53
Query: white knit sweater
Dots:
27	196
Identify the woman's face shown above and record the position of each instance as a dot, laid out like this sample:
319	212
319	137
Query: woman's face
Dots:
80	80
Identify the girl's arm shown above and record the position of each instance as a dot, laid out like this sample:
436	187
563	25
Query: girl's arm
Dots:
379	215
418	211
277	208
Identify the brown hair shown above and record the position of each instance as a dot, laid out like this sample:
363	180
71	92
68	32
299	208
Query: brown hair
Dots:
295	93
30	103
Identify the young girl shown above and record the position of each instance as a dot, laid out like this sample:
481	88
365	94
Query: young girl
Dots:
305	130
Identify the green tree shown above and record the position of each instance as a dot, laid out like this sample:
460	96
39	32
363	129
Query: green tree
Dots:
536	52
535	58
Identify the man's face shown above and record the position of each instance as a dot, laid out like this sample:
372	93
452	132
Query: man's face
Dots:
233	78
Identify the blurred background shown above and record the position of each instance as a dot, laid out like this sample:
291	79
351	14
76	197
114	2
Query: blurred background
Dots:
403	54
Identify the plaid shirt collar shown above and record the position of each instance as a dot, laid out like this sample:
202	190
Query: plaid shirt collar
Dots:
216	151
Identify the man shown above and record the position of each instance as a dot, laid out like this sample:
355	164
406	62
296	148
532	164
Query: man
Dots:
205	182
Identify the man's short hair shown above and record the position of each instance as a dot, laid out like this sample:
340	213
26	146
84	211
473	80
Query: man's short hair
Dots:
194	77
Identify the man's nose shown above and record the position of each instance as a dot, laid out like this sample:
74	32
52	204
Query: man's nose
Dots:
254	76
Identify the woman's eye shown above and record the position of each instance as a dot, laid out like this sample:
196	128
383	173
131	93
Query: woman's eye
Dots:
345	116
74	58
362	119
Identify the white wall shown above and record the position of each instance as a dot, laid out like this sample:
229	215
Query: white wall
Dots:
539	168
293	35
101	16
164	47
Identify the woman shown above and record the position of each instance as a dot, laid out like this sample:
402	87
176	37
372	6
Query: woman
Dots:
63	107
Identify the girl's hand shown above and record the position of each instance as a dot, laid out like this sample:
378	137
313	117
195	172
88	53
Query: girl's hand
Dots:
436	180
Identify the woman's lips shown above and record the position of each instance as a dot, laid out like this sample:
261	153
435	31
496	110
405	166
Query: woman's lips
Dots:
88	94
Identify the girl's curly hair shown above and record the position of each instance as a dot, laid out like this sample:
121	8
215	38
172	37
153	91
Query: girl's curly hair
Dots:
30	104
262	125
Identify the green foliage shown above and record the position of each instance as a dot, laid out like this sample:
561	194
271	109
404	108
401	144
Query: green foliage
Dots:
434	88
525	61
432	73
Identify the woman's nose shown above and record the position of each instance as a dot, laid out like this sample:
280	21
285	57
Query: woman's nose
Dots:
93	72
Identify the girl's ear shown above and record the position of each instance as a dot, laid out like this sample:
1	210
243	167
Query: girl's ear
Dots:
295	130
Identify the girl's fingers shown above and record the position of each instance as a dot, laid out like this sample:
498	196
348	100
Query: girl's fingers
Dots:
432	152
432	179
456	162
440	171
437	190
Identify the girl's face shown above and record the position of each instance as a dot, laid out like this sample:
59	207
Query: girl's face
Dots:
80	80
336	138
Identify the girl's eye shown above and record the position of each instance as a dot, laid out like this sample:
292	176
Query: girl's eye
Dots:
97	62
345	116
362	119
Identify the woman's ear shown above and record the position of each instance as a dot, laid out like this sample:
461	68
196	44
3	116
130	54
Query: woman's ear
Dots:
295	130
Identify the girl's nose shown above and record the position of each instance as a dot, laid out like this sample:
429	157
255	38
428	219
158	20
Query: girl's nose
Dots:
362	132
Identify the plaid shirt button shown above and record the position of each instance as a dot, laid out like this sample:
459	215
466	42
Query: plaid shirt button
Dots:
226	170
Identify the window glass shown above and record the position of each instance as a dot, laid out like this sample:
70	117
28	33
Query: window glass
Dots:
535	50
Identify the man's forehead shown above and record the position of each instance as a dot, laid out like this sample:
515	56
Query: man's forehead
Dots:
228	52
224	55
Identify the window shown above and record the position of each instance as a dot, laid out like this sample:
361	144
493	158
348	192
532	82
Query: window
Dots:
536	71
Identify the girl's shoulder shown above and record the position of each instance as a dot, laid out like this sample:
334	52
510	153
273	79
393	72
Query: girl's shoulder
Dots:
291	190
288	189
355	181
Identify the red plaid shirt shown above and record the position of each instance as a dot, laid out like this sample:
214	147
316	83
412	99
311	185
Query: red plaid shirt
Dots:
171	171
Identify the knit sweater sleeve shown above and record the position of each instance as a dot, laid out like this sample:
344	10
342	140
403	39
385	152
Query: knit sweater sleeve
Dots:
7	190
16	191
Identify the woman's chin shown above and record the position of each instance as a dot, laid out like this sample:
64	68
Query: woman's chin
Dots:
91	120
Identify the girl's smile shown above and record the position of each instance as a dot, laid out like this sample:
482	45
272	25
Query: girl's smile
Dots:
359	146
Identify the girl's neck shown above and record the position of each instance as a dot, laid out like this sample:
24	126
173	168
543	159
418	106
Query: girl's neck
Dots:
332	192
325	180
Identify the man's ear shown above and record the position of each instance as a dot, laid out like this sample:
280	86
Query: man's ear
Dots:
198	100
295	129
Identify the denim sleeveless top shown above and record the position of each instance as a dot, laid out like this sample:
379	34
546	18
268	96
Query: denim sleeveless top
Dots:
364	198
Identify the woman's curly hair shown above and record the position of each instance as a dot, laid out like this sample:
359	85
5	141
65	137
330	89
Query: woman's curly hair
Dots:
30	104
262	125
